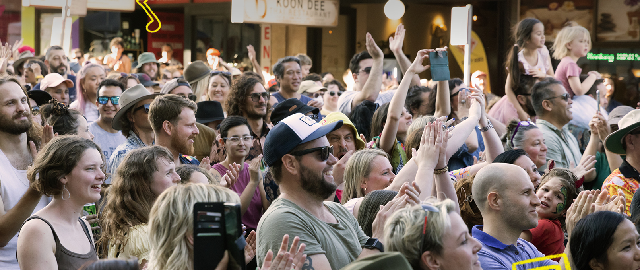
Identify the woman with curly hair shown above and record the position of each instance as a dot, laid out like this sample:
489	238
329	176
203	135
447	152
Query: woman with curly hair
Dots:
65	121
141	177
88	81
70	169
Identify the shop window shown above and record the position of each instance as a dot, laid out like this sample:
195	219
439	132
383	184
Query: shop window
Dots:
230	39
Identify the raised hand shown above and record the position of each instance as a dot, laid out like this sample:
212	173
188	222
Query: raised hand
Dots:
615	203
581	207
428	153
372	47
252	52
250	247
377	227
586	166
417	67
412	191
255	174
205	163
395	42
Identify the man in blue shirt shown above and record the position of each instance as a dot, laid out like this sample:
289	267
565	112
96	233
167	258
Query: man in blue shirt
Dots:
173	119
289	76
507	200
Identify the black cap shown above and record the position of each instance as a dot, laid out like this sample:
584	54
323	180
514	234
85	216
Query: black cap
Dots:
209	111
39	96
289	107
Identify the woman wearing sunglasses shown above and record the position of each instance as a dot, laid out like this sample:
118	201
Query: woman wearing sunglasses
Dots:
444	240
330	97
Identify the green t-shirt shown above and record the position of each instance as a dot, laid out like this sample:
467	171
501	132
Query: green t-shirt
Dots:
602	172
340	242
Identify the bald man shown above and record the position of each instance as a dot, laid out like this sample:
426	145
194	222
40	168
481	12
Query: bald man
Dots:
506	198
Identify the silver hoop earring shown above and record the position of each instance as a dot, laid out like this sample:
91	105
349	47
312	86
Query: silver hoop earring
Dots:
64	188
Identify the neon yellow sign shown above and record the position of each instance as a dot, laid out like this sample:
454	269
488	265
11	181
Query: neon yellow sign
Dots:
151	15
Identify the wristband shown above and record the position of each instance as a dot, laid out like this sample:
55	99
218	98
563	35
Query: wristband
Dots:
487	127
441	171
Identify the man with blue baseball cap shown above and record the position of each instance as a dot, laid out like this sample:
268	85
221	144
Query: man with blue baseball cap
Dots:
301	161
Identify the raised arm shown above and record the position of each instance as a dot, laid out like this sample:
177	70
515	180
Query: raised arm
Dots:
492	142
388	137
371	88
443	99
254	62
508	89
395	44
579	88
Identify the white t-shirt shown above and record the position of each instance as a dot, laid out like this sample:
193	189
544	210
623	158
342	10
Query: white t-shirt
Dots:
344	102
543	61
106	140
13	185
90	110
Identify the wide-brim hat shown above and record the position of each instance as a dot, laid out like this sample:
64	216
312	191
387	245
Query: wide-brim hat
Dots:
146	57
39	96
128	99
338	116
209	111
289	107
196	71
53	80
291	132
618	113
629	122
310	87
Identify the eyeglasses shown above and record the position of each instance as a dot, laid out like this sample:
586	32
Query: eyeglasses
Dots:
145	107
333	93
35	110
255	97
216	72
115	100
564	97
236	139
366	70
324	152
426	208
520	124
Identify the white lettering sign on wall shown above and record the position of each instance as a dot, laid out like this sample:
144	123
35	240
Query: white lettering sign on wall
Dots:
297	12
115	5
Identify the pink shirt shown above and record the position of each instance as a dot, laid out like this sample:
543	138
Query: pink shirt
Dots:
567	68
504	111
254	212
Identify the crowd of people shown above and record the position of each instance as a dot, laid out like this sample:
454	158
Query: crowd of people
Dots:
103	161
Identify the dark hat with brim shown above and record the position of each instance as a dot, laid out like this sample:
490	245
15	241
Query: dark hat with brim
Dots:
209	111
128	99
289	107
39	96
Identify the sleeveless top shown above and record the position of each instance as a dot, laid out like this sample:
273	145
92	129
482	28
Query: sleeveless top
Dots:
66	259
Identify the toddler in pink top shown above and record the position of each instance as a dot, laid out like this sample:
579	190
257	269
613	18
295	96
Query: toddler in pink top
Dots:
573	42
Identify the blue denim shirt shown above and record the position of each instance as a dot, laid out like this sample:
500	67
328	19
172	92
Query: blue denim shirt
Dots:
496	255
133	143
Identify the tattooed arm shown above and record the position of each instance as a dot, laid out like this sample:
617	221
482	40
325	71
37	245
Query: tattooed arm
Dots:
316	262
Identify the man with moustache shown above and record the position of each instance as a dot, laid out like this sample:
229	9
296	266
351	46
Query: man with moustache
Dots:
552	105
507	200
301	160
17	199
57	62
108	103
173	119
248	98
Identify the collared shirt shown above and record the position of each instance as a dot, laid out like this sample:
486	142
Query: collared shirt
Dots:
133	142
496	255
625	178
562	146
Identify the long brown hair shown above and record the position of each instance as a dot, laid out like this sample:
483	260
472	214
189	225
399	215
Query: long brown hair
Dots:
129	199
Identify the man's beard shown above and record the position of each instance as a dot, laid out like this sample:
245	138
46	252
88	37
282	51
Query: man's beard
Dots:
57	69
253	115
11	126
182	145
528	107
314	183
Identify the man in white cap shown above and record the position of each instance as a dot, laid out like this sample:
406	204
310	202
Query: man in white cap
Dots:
301	161
57	86
625	141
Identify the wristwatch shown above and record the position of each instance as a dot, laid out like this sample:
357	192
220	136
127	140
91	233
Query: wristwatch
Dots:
373	243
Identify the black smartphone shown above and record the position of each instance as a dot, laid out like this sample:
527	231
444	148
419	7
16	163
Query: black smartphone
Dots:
216	229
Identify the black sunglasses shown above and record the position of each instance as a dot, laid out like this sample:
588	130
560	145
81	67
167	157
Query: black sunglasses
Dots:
564	97
426	208
333	93
324	152
255	97
145	107
115	100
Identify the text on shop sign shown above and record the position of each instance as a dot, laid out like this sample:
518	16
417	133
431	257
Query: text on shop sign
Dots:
315	5
611	57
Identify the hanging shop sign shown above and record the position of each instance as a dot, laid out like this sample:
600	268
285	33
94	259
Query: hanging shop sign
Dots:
316	13
108	5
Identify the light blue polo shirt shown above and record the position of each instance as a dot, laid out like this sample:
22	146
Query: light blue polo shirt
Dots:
496	255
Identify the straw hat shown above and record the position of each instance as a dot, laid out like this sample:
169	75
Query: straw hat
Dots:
628	123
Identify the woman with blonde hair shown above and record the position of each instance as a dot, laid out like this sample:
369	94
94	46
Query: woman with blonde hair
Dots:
70	169
171	230
444	242
367	170
141	177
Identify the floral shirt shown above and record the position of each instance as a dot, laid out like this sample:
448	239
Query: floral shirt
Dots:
397	157
626	179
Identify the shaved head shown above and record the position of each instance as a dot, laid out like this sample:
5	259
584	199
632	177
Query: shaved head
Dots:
494	178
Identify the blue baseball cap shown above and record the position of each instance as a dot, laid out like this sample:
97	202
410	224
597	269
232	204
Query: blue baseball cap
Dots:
292	131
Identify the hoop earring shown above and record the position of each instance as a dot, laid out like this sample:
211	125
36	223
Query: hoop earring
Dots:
64	188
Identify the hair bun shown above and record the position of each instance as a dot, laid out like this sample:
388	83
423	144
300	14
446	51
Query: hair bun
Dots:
59	108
